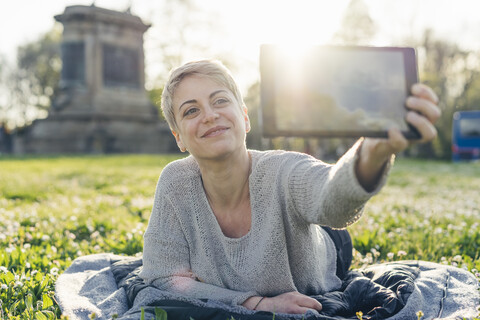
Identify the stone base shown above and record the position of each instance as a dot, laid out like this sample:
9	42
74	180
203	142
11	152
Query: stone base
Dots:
88	135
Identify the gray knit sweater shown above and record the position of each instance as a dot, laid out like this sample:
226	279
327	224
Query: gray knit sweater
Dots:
291	194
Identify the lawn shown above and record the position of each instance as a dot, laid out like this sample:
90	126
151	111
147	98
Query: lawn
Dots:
54	209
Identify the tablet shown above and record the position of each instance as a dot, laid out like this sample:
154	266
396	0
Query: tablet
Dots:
336	91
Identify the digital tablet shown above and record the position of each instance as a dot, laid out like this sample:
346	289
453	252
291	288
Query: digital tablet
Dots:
336	91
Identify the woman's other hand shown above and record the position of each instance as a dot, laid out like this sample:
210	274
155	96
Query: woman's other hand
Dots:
289	302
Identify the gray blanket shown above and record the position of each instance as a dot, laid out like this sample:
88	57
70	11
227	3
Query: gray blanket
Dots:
89	286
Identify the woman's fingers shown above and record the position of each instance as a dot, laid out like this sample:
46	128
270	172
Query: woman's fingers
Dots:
290	302
424	111
423	91
425	107
424	126
425	102
310	303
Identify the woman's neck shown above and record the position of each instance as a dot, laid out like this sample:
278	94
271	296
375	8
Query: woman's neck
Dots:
226	181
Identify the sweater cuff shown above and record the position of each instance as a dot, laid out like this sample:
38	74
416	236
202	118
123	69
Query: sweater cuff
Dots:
241	298
349	161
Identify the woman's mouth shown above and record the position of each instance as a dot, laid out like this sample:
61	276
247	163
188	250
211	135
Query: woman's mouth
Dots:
215	131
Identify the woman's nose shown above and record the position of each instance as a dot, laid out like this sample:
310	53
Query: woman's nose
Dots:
210	114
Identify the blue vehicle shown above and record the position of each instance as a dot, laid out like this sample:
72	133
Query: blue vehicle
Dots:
466	135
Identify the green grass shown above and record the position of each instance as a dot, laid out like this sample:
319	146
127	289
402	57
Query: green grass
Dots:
54	209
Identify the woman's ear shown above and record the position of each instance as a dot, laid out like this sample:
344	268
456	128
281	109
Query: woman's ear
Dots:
179	141
247	119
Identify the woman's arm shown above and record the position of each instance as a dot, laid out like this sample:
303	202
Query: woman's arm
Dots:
335	195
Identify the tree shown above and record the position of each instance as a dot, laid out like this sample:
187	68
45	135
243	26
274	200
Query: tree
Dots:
3	90
357	26
252	101
155	96
184	31
29	88
454	75
39	66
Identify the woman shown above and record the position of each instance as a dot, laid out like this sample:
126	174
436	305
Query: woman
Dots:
243	226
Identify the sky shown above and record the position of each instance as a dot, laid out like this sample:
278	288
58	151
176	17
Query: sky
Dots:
245	24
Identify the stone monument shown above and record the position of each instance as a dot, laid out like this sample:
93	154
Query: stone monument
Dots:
103	106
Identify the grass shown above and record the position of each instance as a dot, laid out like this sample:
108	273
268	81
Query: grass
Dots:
54	209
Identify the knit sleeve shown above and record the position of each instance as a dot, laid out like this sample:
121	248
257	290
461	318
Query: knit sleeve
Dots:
330	194
166	260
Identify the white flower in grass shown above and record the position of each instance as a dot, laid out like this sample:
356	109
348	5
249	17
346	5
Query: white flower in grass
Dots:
34	272
401	253
54	271
70	235
457	258
28	236
18	284
390	255
95	235
45	237
4	286
3	269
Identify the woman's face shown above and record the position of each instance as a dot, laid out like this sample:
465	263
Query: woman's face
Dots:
210	122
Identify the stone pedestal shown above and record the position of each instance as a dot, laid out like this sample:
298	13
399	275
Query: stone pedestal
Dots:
103	106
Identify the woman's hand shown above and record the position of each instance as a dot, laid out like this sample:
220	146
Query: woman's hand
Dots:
374	153
289	302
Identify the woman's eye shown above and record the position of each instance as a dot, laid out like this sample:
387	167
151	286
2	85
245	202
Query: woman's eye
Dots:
221	101
190	111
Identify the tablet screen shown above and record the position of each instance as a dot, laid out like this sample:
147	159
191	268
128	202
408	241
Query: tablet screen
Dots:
335	91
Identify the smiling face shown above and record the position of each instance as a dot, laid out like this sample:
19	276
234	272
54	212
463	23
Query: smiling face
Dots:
210	122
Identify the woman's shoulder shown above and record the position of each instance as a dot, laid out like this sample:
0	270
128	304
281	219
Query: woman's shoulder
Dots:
187	164
179	171
278	157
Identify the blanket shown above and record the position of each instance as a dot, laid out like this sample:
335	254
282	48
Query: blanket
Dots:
108	286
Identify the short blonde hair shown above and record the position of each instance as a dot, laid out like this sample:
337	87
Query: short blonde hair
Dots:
212	69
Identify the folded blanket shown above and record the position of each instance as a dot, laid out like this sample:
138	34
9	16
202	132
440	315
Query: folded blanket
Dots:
108	285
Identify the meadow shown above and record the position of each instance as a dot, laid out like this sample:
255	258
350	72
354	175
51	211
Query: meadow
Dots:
54	209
